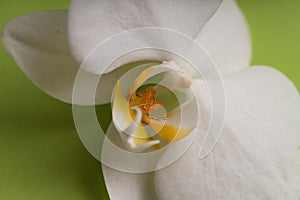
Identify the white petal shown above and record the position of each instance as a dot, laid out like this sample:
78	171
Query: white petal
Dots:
227	39
128	186
122	185
92	22
257	156
38	44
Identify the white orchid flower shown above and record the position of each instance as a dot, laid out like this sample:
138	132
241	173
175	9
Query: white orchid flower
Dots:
149	96
257	156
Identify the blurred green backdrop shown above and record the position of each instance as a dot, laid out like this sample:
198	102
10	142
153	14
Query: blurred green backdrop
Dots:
41	156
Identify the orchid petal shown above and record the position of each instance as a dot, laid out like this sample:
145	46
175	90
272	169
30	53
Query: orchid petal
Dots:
91	21
128	186
39	45
227	39
123	185
257	156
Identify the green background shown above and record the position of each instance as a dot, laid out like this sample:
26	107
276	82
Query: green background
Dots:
41	156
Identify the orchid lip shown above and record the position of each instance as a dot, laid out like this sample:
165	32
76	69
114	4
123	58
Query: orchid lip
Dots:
131	129
148	103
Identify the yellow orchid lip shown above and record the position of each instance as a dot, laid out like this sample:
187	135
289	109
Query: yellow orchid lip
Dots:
146	106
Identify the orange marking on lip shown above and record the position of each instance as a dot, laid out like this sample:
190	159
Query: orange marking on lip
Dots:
146	102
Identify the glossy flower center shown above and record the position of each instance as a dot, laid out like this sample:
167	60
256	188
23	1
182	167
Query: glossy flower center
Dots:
146	101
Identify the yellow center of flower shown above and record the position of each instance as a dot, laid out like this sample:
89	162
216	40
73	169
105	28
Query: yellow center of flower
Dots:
146	101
